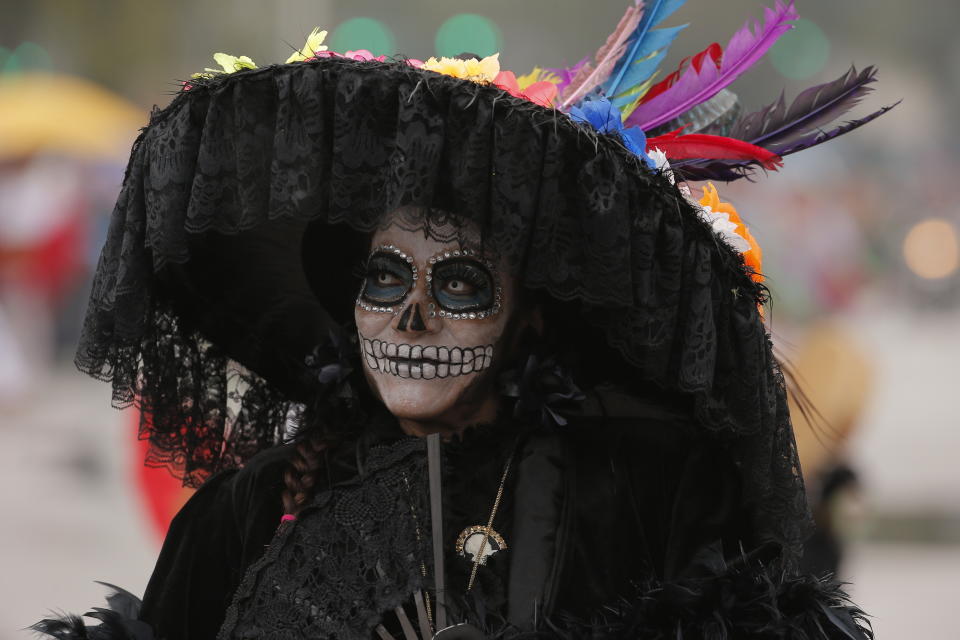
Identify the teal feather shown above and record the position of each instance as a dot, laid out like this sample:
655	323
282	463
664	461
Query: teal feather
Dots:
642	45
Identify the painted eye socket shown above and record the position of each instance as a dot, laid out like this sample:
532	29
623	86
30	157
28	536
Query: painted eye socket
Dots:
388	279
462	284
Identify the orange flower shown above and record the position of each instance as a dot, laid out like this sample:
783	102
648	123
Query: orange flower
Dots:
754	256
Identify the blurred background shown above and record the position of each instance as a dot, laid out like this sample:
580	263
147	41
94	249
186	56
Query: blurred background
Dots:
861	241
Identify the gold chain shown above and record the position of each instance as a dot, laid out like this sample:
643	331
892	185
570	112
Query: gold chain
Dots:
477	559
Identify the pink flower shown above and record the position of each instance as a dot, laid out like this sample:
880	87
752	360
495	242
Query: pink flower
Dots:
542	93
364	56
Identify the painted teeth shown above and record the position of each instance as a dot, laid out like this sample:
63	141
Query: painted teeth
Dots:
420	362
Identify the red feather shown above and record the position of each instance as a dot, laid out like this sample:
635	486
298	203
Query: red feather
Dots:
715	51
698	145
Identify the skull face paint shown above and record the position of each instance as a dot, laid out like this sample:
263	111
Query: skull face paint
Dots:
426	363
431	317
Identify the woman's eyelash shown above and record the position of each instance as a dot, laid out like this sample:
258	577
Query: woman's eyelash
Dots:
378	264
472	274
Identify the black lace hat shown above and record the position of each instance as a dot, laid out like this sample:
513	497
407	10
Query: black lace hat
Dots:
222	301
203	313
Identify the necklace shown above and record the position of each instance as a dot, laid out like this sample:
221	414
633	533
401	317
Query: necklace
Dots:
476	540
480	541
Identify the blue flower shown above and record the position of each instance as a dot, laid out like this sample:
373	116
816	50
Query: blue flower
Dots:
600	114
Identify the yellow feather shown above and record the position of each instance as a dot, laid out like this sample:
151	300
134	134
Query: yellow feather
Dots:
639	91
537	75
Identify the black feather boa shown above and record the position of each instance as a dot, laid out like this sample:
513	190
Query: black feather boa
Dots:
746	601
118	622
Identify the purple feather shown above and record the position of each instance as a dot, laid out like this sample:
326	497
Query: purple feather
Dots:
819	137
730	170
716	170
775	126
745	48
567	74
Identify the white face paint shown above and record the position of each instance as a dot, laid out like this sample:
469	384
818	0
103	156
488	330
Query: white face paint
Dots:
431	317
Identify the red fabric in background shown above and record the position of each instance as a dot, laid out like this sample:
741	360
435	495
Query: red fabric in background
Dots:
161	494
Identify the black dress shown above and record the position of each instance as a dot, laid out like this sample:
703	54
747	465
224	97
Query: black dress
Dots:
622	523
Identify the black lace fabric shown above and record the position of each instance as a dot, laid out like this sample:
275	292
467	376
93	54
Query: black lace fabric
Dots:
353	554
202	265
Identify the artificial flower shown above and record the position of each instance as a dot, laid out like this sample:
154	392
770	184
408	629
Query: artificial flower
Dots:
228	63
364	56
605	118
542	93
484	70
232	63
744	241
313	46
661	163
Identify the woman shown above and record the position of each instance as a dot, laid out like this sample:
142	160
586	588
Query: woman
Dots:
607	452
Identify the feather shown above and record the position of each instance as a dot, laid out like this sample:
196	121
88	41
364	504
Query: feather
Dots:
819	137
716	170
777	126
66	627
121	600
698	145
715	116
590	77
119	622
642	70
645	51
565	75
727	170
636	94
745	48
714	52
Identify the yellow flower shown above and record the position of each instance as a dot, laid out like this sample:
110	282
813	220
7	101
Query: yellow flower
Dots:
231	63
447	66
483	70
476	70
313	46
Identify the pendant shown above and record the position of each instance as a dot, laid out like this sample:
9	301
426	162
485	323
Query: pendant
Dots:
471	540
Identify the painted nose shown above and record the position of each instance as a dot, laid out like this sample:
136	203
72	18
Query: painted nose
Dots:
411	319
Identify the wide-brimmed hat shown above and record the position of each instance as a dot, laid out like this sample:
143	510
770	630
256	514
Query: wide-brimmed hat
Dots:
226	282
